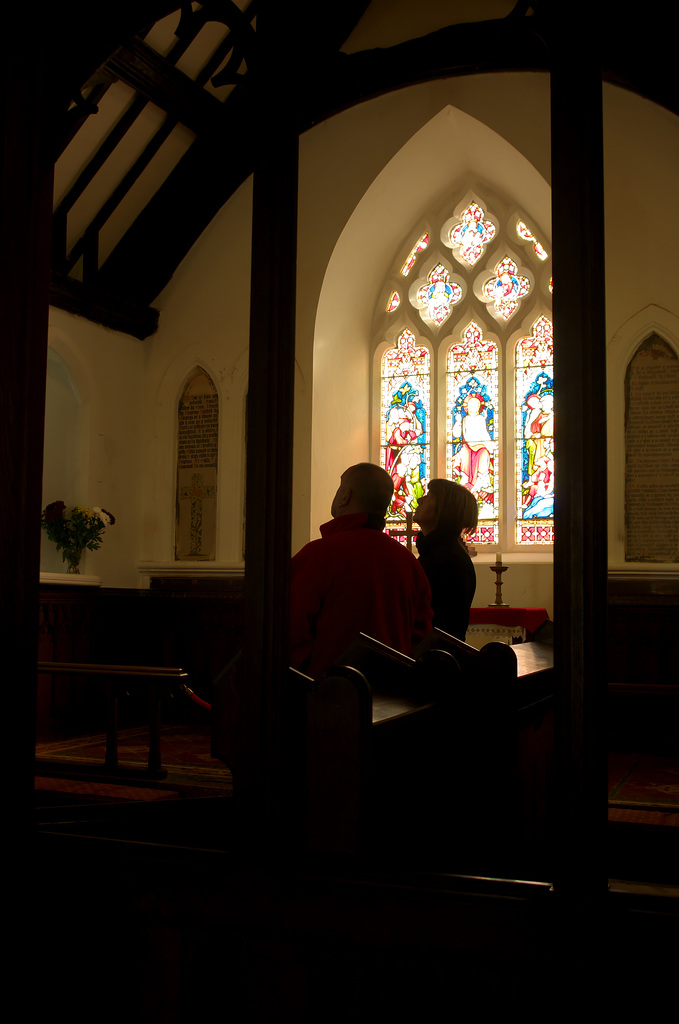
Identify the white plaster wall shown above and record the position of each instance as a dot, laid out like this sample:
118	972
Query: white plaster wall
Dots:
642	266
406	151
66	441
107	370
365	175
204	320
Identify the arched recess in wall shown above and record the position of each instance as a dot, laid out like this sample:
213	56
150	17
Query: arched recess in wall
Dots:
197	469
160	477
65	449
452	147
652	453
643	409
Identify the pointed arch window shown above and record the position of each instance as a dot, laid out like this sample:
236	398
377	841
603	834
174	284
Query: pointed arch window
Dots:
534	404
405	416
472	419
485	418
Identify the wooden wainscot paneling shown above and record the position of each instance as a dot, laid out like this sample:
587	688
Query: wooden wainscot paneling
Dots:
643	654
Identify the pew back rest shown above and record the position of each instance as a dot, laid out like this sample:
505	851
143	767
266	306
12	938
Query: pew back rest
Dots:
338	758
488	675
392	675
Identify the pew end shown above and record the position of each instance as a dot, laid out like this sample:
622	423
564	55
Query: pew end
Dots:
337	760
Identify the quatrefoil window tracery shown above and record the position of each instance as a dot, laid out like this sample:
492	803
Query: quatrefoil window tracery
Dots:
469	238
436	296
504	291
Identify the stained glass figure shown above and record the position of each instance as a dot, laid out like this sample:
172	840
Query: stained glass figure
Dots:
437	297
472	234
420	245
472	425
526	235
394	302
506	289
404	442
535	435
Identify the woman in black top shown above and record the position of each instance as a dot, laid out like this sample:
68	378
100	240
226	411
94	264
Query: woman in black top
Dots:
445	514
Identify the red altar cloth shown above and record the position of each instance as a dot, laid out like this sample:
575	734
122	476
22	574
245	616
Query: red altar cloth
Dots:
530	618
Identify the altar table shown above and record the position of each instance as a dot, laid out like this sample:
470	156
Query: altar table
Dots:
507	625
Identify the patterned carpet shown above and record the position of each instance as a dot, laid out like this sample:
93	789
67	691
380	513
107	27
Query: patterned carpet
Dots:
643	789
74	768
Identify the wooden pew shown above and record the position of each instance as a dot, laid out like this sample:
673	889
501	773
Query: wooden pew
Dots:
419	756
361	736
518	681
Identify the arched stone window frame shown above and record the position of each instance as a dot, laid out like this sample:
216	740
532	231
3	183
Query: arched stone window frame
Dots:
503	213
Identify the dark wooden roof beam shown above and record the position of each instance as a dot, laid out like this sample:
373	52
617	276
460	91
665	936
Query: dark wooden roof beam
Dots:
102	308
105	150
146	72
85	241
82	108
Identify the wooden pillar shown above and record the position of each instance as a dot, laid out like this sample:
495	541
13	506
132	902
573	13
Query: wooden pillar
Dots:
25	224
580	551
262	785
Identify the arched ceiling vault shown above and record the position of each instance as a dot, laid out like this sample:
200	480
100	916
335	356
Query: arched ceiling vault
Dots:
162	130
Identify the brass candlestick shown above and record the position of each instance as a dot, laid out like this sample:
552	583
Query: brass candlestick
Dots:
498	568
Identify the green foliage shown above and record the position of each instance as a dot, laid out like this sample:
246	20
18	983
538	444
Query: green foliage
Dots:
76	528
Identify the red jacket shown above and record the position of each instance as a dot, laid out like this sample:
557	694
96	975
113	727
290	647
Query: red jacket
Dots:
354	580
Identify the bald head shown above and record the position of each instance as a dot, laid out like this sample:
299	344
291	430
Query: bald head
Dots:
363	488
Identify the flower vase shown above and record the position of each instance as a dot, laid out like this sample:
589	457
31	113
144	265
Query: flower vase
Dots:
72	558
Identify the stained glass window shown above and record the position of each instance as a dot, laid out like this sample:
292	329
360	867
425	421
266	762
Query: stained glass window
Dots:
472	419
437	297
405	424
420	245
492	434
524	233
471	236
506	288
535	435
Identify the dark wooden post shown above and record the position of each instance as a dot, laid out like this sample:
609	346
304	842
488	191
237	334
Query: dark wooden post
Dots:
580	552
25	222
269	430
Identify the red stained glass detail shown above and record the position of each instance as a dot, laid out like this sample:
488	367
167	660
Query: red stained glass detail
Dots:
524	232
420	245
405	422
535	435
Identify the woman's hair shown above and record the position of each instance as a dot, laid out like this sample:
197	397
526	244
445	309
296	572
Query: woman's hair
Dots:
456	506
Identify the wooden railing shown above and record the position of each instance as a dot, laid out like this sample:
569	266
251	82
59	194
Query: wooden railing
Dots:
160	681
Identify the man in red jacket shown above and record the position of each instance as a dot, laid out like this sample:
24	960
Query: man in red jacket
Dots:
356	579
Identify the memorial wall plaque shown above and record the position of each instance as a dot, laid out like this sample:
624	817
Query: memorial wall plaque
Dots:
652	454
196	514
